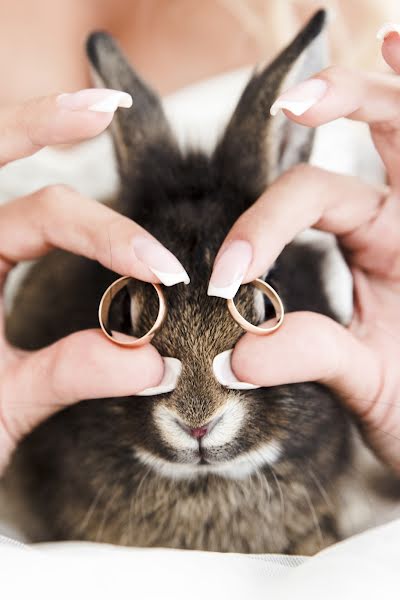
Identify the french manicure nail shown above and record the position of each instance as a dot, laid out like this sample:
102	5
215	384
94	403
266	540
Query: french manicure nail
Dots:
225	376
387	29
301	97
172	372
230	269
160	261
96	100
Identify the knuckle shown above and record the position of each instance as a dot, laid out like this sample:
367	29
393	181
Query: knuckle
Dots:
334	73
299	171
52	194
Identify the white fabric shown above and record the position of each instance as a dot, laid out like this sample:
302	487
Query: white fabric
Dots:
363	567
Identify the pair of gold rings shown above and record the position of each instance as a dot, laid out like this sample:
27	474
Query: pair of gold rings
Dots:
119	284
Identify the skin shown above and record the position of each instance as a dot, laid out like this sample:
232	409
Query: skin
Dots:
163	40
35	385
361	362
47	52
47	48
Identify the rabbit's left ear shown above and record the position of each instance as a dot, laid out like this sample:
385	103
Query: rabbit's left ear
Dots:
256	147
140	128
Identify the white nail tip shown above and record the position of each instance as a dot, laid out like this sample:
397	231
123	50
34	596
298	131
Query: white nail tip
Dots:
172	372
297	107
225	376
227	292
169	279
112	102
386	29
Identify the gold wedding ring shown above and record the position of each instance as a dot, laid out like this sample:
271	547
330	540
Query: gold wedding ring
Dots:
104	310
276	302
119	284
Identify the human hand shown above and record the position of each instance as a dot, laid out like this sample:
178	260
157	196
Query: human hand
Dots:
34	385
360	363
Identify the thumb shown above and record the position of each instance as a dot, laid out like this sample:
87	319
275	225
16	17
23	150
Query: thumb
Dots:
81	366
311	347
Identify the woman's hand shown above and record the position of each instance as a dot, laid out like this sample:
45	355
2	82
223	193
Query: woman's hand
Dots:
362	362
83	365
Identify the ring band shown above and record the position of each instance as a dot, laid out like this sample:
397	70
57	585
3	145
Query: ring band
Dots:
104	309
276	302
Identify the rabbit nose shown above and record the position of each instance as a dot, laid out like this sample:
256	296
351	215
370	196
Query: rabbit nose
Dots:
198	432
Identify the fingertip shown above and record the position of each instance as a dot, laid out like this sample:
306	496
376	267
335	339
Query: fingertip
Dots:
300	98
56	119
71	127
244	361
303	349
391	50
109	370
137	368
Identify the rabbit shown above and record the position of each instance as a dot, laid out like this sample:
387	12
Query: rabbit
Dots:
123	470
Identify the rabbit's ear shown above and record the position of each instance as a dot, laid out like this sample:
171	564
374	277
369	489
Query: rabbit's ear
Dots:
256	147
143	125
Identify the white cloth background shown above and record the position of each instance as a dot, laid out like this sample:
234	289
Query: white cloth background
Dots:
364	567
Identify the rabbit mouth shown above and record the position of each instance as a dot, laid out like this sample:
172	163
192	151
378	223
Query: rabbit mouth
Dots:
192	464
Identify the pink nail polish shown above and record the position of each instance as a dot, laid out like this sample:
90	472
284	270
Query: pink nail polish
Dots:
300	98
230	269
160	261
96	100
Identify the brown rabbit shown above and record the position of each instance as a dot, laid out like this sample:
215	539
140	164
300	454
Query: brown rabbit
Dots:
126	470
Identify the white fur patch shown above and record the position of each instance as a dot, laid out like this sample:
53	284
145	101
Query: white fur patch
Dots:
238	468
259	305
171	432
228	422
199	113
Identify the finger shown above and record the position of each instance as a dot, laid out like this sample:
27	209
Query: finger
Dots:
58	216
81	366
339	92
311	347
62	119
390	34
364	219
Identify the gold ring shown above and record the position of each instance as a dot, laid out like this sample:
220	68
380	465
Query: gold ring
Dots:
276	302
104	309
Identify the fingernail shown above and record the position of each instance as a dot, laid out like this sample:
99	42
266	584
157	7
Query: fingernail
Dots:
121	337
106	101
225	376
172	372
387	29
160	261
300	98
230	269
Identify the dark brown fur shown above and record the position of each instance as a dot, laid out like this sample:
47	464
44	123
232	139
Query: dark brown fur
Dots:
81	471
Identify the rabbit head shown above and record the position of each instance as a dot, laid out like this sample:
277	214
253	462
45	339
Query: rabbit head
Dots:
201	440
189	201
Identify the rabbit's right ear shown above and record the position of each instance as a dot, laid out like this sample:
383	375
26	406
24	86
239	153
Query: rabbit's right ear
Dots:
135	129
256	147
